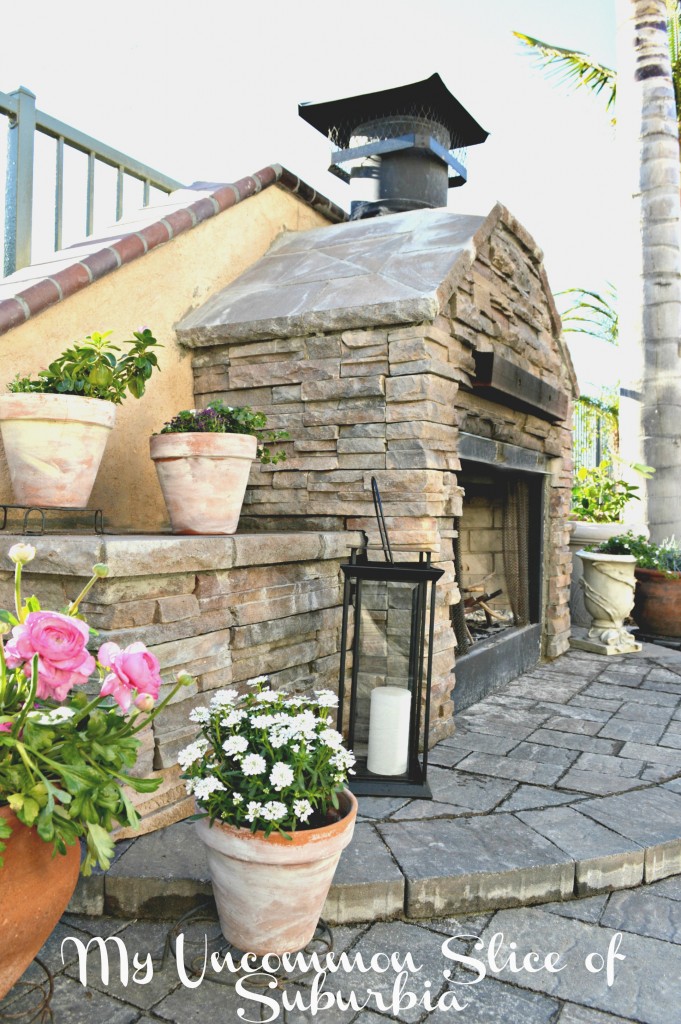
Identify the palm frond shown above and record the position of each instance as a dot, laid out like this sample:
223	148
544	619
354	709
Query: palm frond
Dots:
573	67
674	40
592	313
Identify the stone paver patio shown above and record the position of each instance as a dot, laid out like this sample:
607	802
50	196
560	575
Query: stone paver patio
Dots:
565	784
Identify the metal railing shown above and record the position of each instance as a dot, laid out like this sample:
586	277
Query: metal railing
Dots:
24	121
594	434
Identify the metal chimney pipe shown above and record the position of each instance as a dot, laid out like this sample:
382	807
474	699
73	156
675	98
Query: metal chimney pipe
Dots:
396	147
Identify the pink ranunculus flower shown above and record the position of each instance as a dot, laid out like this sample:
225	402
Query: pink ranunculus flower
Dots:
133	669
60	643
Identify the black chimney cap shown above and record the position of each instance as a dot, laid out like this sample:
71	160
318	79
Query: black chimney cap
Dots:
430	98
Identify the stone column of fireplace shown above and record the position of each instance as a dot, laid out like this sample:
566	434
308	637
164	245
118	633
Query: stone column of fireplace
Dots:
357	404
331	336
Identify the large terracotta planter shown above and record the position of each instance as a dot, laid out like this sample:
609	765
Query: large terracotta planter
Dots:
54	445
35	889
657	603
203	478
270	892
608	584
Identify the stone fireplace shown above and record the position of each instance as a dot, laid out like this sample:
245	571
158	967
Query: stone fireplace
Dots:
422	349
499	563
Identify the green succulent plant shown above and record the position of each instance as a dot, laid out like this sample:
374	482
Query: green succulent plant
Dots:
92	368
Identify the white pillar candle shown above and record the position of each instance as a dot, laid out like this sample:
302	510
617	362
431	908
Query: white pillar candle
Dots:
389	730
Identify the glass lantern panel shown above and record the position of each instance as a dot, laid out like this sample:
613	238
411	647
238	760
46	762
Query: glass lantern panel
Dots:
387	675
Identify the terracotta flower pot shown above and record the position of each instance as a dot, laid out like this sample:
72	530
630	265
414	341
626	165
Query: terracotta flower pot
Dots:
657	603
270	892
203	478
35	889
54	445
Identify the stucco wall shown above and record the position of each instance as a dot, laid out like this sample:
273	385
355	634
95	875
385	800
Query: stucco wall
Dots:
156	290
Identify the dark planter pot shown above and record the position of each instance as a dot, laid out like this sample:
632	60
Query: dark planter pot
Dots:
657	603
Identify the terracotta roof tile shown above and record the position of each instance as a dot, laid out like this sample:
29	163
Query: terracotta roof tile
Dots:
31	290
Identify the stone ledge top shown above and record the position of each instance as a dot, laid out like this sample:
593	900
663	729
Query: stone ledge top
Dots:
366	273
163	554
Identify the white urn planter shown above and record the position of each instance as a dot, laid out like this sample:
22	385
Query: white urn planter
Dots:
203	477
54	445
608	584
586	535
270	891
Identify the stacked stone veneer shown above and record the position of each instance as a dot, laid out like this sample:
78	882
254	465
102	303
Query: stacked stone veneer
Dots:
224	609
359	339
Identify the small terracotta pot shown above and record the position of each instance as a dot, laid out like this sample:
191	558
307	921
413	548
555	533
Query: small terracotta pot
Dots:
35	889
203	478
54	445
657	603
270	892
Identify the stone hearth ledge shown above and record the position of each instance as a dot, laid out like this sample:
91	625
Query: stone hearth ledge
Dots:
149	554
222	608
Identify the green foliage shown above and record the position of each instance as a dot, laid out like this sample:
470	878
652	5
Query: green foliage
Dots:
574	67
592	313
674	40
596	421
91	368
64	763
599	497
218	418
664	557
577	68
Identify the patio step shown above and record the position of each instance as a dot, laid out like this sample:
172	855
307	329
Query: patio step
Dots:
531	805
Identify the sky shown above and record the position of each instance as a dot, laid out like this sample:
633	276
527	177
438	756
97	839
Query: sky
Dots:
210	92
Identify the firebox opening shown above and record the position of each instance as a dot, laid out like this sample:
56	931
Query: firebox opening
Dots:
498	562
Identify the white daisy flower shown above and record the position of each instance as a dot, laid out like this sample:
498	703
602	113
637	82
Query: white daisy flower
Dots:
344	759
223	698
253	764
331	738
204	787
200	715
262	721
281	776
267	696
258	681
253	810
235	745
274	810
326	698
194	752
302	809
232	718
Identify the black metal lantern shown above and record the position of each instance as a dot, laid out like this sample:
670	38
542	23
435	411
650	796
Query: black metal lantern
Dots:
384	707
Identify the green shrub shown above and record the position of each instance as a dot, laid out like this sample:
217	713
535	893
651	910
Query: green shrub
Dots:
665	557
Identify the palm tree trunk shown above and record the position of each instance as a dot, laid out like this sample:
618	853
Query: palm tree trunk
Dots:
650	279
